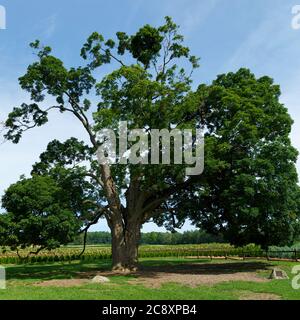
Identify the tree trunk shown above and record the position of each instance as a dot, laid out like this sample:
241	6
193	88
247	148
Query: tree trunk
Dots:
125	223
125	242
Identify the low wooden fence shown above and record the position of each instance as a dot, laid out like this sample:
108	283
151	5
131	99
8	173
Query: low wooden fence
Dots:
287	255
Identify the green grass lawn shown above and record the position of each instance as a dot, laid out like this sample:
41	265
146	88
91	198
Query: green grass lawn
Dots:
21	280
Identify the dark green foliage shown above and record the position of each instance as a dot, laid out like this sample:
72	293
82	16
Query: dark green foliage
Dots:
250	192
38	214
159	238
146	44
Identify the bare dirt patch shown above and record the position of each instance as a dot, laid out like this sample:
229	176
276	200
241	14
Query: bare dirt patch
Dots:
190	274
197	274
195	279
247	295
62	283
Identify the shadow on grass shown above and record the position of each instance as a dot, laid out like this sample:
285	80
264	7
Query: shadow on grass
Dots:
54	271
204	268
148	268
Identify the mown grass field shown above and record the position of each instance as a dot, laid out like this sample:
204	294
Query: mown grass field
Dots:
25	282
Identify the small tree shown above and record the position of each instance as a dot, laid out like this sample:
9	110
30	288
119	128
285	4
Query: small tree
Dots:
38	215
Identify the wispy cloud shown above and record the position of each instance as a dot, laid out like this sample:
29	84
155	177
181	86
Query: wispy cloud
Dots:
189	14
46	26
50	25
195	13
133	12
272	48
271	35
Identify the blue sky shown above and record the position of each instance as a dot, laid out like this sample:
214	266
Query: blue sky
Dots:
226	34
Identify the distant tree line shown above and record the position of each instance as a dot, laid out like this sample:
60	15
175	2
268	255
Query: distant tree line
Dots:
163	238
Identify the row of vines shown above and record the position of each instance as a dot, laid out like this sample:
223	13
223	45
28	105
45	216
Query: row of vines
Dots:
93	253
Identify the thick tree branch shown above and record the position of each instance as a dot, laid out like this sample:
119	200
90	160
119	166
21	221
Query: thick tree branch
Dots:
94	177
154	201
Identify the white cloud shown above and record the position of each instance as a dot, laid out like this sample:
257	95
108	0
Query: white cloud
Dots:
196	13
50	25
262	42
46	27
189	14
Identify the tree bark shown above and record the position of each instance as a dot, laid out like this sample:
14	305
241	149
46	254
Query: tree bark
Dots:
125	242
